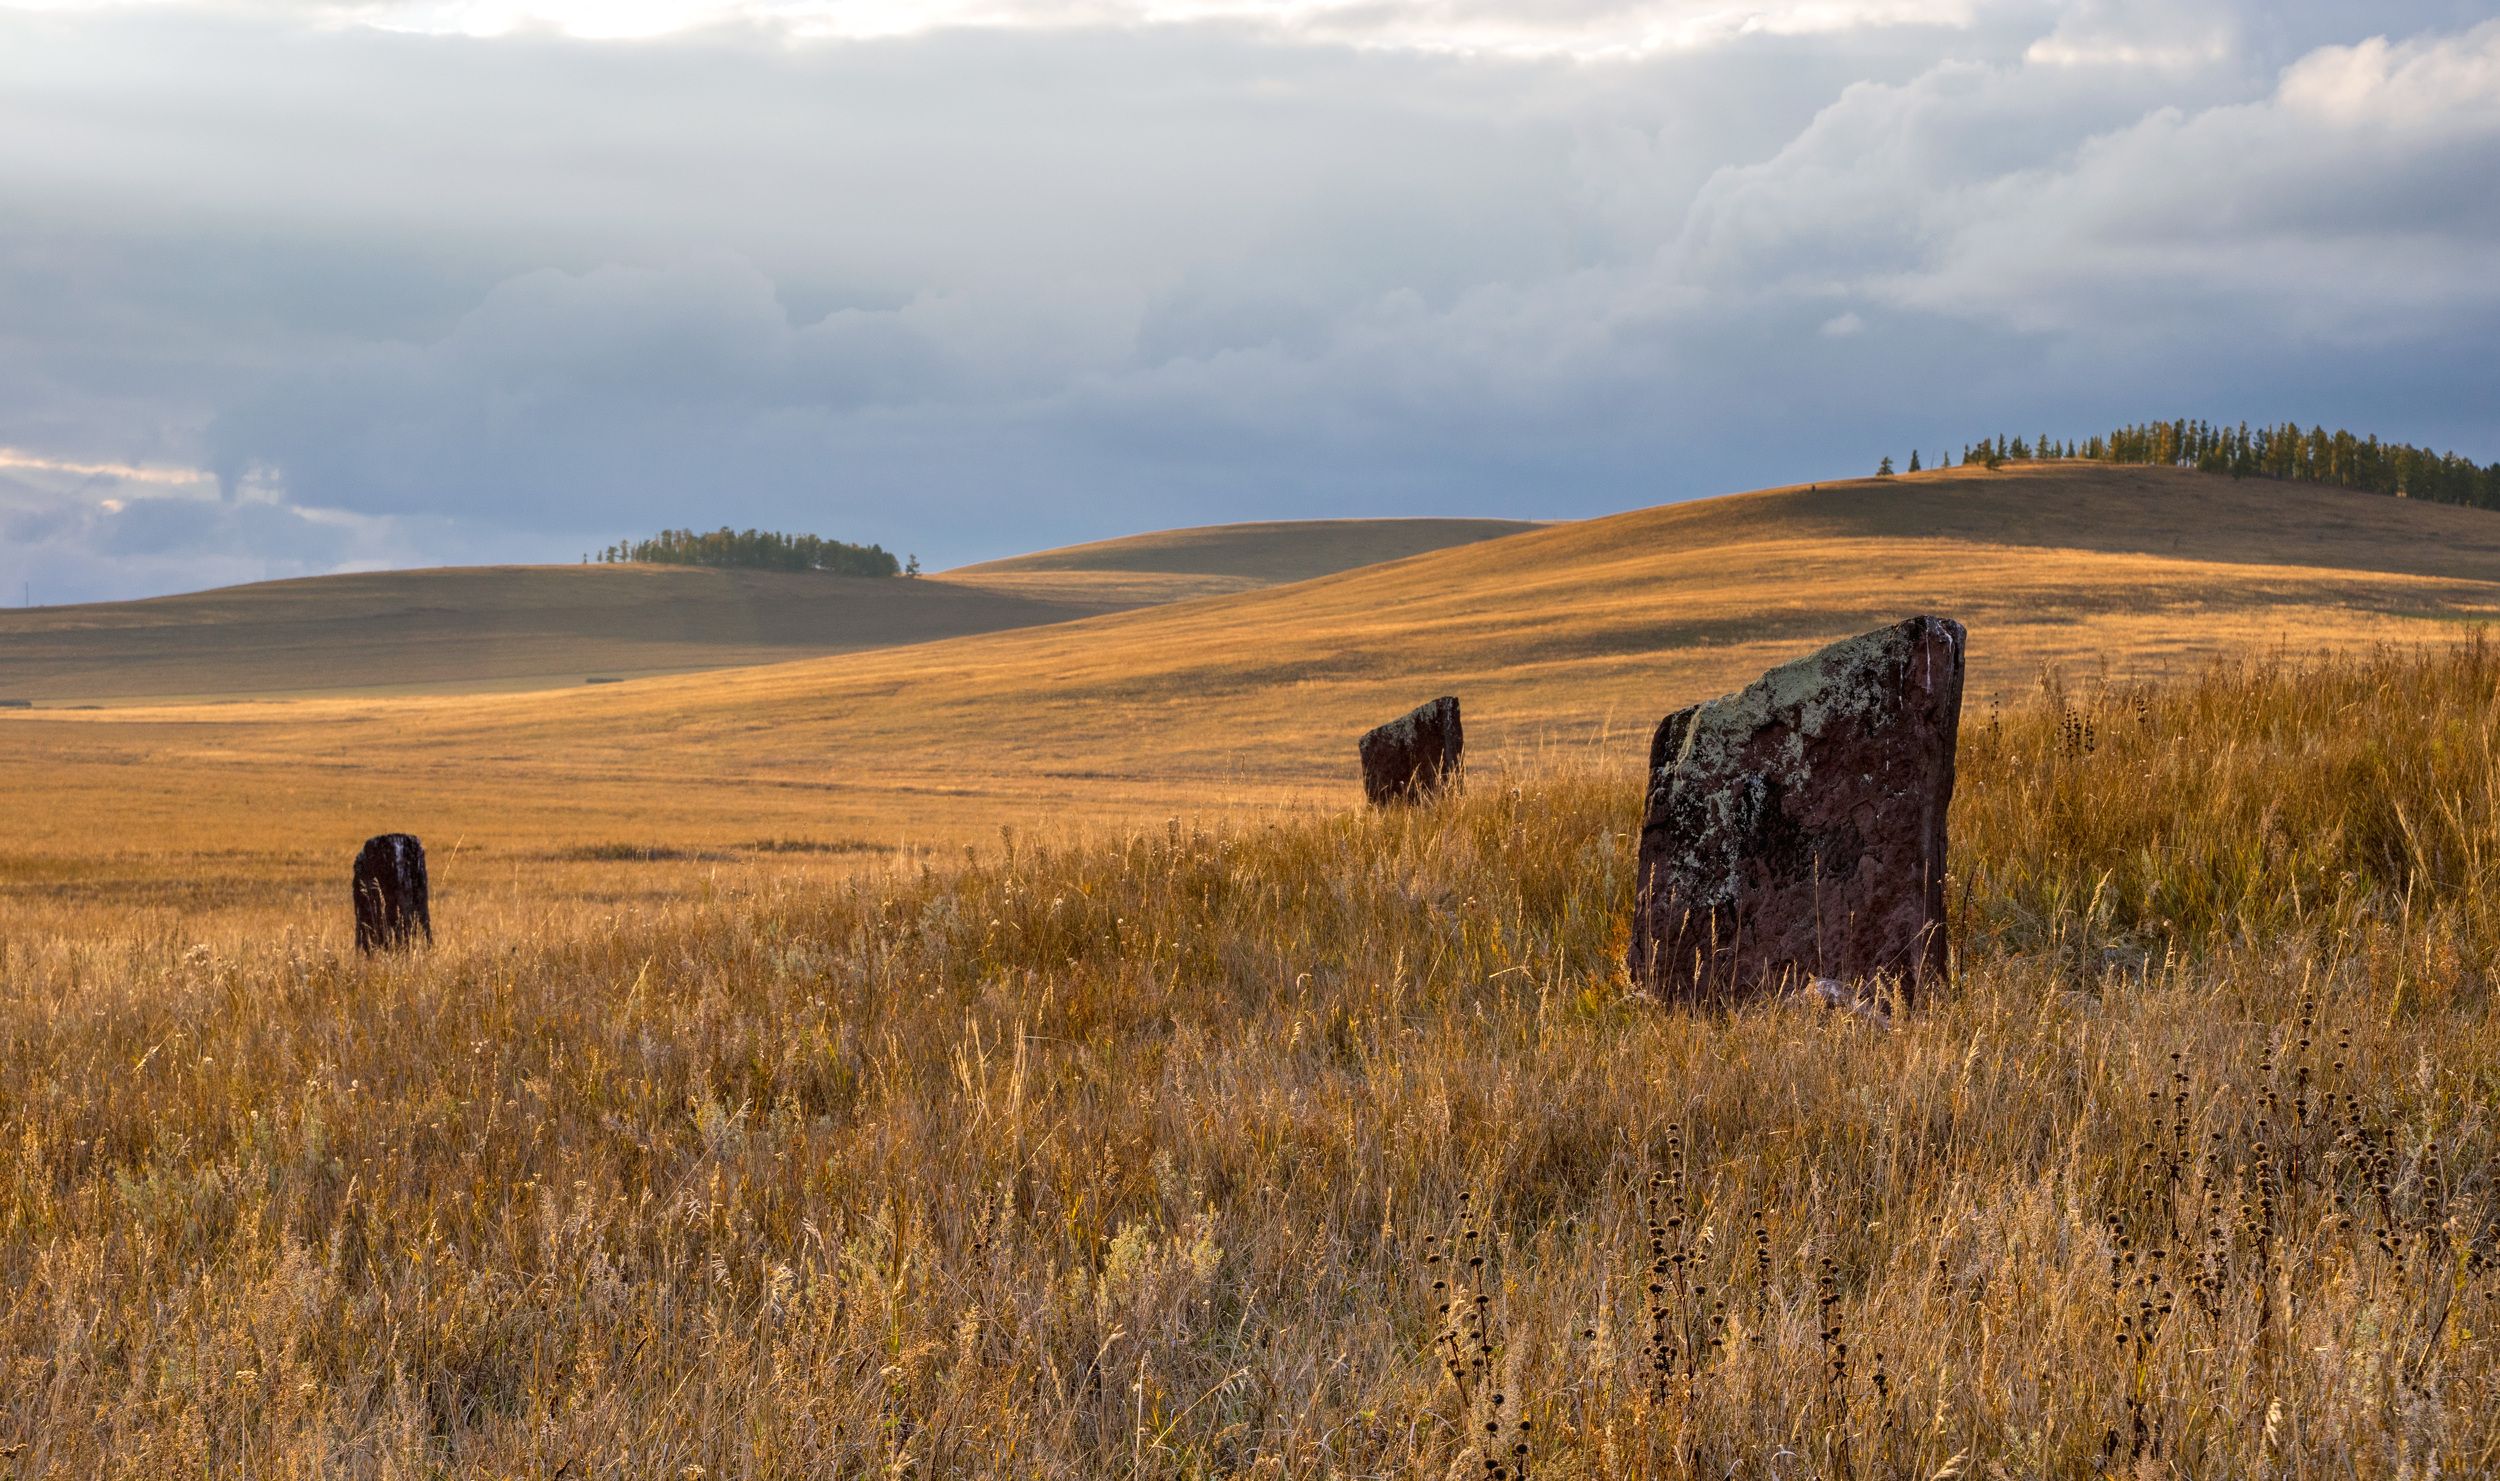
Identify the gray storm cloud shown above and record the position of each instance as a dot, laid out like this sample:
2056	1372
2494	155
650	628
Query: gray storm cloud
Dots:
422	297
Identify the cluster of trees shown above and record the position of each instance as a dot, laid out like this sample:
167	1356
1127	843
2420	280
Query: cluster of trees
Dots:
768	550
2316	455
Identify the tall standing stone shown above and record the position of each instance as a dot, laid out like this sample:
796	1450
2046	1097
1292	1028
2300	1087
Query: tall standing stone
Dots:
390	894
1796	829
1410	758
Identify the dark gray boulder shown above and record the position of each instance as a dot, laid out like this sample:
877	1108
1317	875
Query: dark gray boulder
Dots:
1411	757
1795	830
390	893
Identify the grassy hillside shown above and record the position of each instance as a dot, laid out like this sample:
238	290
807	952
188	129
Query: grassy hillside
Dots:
502	628
478	628
1570	636
1239	556
1331	1147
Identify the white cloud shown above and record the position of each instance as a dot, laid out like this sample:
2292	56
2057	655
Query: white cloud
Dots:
14	458
2338	204
1586	29
2445	85
2140	34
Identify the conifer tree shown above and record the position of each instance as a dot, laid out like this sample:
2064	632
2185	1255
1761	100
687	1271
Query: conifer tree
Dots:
766	549
2287	451
1913	460
1884	469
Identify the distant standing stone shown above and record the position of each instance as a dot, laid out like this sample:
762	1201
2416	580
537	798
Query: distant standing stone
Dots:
390	894
1409	758
1795	830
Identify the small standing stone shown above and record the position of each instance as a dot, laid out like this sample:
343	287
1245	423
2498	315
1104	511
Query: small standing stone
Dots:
1795	831
1410	758
390	894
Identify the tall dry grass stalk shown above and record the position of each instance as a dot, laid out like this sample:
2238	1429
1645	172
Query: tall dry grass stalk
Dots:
1329	1148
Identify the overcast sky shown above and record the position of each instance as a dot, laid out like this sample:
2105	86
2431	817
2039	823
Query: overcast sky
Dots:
288	287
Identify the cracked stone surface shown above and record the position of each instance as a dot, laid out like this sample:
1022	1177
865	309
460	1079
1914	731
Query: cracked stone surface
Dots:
1410	758
1795	829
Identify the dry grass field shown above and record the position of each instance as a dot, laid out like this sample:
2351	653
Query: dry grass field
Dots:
1016	1055
240	817
1328	1145
506	628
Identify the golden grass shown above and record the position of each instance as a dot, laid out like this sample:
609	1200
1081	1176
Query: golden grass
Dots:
1106	591
1553	638
1144	1156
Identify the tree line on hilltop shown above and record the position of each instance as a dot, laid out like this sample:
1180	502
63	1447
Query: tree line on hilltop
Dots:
2316	456
768	550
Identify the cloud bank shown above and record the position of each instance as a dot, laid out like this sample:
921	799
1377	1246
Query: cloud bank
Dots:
401	283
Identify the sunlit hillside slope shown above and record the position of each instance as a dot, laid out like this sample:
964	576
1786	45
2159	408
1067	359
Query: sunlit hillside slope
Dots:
1555	636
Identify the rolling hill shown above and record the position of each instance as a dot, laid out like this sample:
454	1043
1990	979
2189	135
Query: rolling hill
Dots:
1210	560
478	629
1565	635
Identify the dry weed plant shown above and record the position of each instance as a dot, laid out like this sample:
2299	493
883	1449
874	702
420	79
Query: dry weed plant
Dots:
1328	1149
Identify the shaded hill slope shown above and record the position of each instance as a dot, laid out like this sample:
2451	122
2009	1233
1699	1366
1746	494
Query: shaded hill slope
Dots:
1267	552
487	627
1218	560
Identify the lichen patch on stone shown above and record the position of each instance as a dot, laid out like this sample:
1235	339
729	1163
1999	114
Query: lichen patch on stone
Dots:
1796	826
